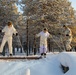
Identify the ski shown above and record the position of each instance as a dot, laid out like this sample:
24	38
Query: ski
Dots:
19	57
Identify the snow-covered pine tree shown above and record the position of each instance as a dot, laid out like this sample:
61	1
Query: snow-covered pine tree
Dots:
9	11
47	13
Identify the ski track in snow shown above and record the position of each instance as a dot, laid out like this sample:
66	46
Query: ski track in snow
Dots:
45	66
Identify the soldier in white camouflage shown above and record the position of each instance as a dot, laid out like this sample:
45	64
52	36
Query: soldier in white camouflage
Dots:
43	41
67	37
8	31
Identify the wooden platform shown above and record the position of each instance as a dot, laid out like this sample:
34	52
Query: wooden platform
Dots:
19	57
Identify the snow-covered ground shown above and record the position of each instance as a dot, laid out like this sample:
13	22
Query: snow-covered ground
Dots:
46	66
68	59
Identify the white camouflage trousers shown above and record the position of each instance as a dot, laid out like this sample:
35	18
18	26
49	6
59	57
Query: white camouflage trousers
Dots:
67	45
9	41
43	49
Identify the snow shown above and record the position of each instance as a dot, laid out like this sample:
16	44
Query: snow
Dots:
51	65
68	59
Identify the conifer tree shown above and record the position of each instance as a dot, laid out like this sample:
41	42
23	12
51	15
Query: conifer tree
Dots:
47	13
8	11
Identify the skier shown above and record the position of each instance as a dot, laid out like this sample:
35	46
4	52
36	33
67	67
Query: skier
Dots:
43	41
67	34
8	31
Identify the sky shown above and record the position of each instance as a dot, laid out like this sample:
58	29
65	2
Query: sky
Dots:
73	3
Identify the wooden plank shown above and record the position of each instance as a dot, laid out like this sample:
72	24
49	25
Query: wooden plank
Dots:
19	57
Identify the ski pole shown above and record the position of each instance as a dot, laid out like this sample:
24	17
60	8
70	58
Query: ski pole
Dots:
62	42
20	43
56	43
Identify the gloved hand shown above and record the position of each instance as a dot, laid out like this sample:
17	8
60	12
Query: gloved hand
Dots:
59	33
67	34
0	31
16	34
13	34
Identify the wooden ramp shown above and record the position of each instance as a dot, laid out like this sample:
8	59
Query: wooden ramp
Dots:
19	57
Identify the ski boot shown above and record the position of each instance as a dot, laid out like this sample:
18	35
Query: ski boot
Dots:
44	55
41	55
10	55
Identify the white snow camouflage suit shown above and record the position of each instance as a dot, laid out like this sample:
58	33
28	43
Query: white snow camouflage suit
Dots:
8	32
43	41
68	38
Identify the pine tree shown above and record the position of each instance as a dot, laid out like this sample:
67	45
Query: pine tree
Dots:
47	13
8	11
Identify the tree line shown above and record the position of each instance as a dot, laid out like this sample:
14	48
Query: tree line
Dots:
37	14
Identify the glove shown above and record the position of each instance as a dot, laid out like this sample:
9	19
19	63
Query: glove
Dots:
59	33
16	34
0	31
67	34
13	34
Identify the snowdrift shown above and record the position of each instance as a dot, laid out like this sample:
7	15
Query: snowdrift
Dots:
45	66
68	59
